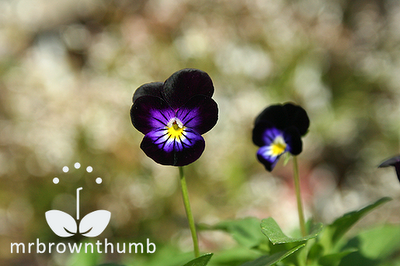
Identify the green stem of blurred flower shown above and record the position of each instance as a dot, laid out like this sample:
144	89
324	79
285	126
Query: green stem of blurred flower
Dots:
298	196
189	212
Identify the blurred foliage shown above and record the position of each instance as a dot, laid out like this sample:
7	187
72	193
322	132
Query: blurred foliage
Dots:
324	245
68	70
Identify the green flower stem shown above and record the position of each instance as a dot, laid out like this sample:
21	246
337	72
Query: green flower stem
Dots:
298	196
189	212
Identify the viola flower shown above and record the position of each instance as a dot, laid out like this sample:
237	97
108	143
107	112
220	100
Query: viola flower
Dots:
394	161
278	129
173	115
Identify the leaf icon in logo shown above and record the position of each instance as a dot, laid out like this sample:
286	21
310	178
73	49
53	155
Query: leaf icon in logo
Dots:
61	223
94	223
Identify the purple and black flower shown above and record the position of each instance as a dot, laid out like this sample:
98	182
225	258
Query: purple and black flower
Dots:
173	115
394	161
278	129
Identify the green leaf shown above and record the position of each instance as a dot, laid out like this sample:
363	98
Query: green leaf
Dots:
200	261
341	225
273	259
330	238
335	258
245	231
274	233
111	264
234	256
374	245
379	242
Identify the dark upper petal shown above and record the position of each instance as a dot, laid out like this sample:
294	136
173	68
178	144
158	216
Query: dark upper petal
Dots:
169	151
149	113
293	140
394	161
390	162
274	115
297	117
200	113
184	84
148	89
397	167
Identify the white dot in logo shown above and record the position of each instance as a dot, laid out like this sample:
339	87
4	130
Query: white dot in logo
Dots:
89	169
77	165
65	169
99	180
56	180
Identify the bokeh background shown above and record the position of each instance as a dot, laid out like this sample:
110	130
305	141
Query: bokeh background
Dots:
68	70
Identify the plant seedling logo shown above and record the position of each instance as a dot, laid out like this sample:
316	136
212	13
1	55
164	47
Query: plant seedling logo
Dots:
91	225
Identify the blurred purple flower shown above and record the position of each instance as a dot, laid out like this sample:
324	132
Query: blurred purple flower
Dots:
278	129
173	115
394	161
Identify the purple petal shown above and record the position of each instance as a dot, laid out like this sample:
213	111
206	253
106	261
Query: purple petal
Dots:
289	136
200	113
274	145
265	134
184	84
258	132
270	135
167	150
276	142
149	113
149	89
263	155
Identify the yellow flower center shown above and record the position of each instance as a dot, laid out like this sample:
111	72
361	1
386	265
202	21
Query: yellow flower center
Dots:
278	146
175	128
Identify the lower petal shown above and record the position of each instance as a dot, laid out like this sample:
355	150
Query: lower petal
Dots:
167	150
265	157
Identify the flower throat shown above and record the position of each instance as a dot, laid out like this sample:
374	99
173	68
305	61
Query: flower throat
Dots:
278	146
175	128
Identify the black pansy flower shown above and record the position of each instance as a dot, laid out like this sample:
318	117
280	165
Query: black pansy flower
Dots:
173	115
278	129
394	161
